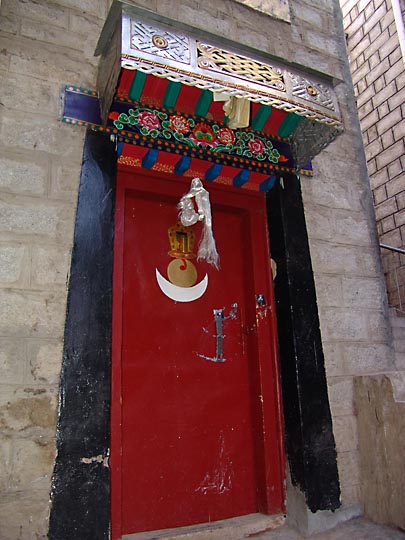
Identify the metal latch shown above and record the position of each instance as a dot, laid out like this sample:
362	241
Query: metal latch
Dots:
219	317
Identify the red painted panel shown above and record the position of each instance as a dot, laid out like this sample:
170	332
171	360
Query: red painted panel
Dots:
187	99
153	91
216	110
125	81
254	109
194	440
274	121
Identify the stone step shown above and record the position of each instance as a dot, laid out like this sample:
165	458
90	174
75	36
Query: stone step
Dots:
356	529
227	529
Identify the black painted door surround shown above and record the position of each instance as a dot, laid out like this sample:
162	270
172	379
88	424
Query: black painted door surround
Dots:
80	498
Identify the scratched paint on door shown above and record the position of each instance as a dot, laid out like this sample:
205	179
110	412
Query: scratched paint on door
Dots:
220	480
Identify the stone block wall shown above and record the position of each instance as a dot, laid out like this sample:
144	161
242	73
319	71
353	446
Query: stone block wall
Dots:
45	44
378	72
349	285
382	445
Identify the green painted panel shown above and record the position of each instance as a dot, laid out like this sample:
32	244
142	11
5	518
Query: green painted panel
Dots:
137	85
171	94
203	103
288	125
261	117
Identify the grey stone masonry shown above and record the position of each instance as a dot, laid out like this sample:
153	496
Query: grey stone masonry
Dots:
378	72
398	333
44	44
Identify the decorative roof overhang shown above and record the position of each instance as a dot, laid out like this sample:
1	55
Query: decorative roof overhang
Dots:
167	99
159	139
154	52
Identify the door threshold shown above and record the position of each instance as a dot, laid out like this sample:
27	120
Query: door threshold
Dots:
227	529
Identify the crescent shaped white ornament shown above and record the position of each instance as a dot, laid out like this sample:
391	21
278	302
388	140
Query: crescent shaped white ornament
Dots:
181	294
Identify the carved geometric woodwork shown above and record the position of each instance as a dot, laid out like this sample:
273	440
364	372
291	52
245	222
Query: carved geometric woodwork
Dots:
155	49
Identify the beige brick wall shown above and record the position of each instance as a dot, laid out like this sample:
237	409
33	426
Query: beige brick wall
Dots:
47	43
378	72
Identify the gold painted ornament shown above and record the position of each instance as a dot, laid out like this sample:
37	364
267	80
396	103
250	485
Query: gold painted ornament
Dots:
182	285
182	272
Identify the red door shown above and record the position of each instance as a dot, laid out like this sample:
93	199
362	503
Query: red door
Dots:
196	433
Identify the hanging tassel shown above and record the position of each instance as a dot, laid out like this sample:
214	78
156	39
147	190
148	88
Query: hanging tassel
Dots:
207	249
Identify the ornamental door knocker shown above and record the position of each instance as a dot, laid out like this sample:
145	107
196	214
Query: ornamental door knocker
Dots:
181	272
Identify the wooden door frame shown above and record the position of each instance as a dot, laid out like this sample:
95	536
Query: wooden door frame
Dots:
271	498
80	496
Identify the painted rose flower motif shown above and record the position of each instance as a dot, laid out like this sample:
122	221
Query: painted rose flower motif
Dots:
226	136
256	146
149	120
204	133
179	124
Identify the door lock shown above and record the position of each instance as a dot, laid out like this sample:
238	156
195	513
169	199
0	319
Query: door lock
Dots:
260	300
